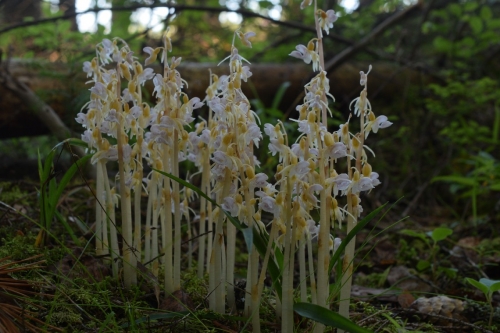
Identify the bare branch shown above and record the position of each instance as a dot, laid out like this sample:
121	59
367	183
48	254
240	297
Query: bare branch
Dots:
178	8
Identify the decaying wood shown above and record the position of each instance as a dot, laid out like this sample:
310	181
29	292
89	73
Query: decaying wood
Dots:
61	89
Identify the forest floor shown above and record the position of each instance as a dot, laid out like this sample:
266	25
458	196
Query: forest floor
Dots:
405	280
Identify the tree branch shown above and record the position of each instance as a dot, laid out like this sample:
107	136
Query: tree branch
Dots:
178	8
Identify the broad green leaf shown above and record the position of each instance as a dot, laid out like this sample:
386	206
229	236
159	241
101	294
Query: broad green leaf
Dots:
327	317
478	285
439	234
492	285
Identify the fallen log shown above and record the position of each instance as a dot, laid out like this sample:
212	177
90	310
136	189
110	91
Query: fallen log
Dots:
63	88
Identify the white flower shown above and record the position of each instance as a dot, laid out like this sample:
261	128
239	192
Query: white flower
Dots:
260	180
326	19
253	134
244	37
374	177
222	159
100	90
341	183
268	204
301	53
231	206
337	150
363	184
380	122
153	53
112	116
87	68
336	243
81	118
245	73
195	103
312	228
364	77
305	3
146	74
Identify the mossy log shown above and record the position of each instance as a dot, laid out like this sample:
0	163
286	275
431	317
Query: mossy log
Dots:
63	88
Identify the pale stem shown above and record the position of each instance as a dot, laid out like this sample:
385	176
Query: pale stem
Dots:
257	289
111	221
202	239
346	279
137	210
129	264
157	212
230	262
287	288
167	228
147	226
217	287
177	214
314	298
302	266
189	236
323	244
100	203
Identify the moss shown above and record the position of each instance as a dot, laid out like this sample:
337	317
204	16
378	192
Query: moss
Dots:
11	194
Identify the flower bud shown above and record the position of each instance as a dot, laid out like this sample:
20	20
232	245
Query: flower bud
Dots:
250	172
328	139
367	170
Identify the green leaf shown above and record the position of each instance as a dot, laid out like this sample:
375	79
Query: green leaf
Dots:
248	235
470	6
492	285
441	44
456	9
486	13
279	95
478	285
327	317
455	179
423	265
476	24
413	233
440	233
156	316
495	187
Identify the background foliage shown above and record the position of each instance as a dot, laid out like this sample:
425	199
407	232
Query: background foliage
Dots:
443	149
